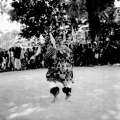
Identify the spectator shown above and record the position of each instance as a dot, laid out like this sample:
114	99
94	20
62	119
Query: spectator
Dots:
17	53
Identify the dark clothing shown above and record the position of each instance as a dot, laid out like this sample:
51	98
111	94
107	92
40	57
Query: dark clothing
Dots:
17	52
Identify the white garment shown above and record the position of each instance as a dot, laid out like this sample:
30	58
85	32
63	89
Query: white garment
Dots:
55	84
4	63
17	64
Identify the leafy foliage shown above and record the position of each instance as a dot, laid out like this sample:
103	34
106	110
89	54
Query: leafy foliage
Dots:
76	8
94	7
39	16
35	15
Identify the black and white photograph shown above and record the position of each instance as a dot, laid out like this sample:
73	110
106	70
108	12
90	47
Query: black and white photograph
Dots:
59	59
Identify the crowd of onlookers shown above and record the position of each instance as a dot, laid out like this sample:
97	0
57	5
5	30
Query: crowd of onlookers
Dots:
17	58
90	54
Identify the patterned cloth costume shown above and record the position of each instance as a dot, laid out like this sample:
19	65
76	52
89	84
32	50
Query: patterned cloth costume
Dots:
59	62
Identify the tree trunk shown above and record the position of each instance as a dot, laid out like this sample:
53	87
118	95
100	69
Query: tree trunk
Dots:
94	25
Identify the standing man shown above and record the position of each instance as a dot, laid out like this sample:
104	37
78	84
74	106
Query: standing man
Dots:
17	54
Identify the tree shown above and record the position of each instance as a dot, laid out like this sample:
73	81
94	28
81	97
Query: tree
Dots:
94	7
76	10
35	15
38	15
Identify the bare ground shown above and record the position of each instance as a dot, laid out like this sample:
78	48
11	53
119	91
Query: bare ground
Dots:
24	95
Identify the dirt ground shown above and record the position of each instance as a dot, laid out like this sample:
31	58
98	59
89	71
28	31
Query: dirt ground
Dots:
24	95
